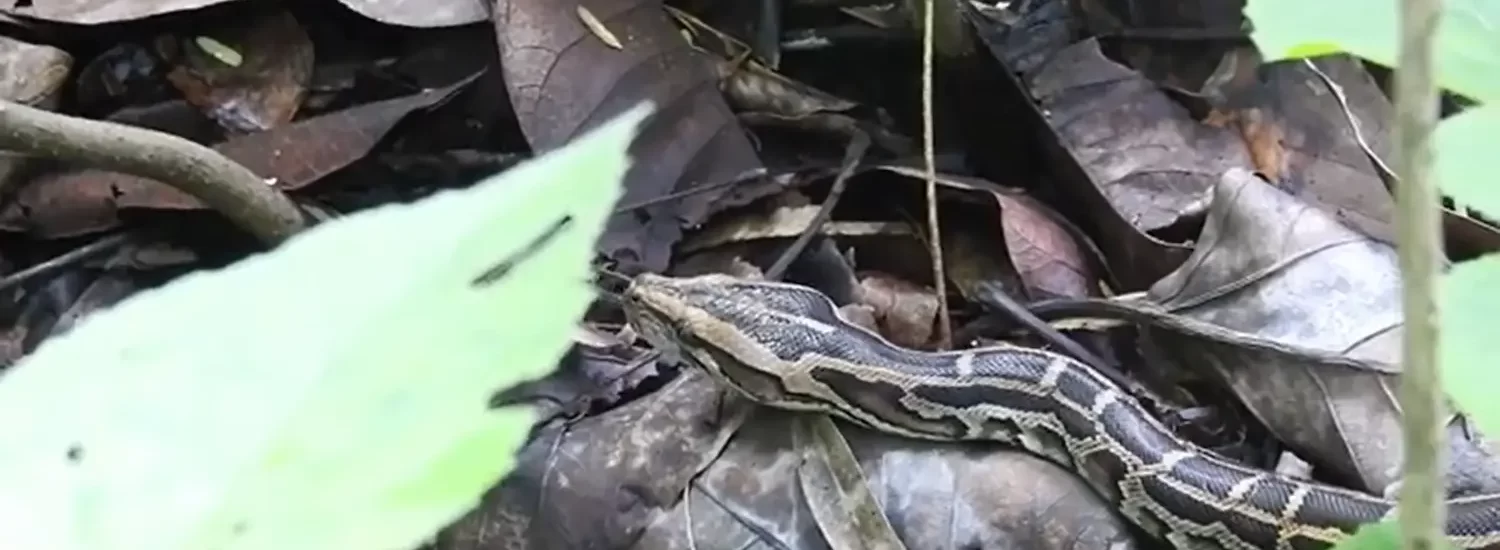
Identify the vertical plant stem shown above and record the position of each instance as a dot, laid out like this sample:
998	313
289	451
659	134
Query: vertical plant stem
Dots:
1420	245
939	280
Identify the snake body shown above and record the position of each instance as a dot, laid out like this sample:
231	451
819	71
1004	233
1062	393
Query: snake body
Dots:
786	346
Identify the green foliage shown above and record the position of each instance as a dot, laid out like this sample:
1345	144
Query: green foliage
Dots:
1466	145
1385	535
1467	310
329	394
1468	42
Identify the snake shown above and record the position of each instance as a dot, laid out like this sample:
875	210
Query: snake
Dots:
787	346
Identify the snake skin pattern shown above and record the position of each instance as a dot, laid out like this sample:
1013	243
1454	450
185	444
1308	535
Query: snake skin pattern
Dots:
786	346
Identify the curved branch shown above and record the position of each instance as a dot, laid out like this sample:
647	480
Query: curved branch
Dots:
204	173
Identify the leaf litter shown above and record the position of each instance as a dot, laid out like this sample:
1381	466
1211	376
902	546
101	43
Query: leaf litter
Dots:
1155	202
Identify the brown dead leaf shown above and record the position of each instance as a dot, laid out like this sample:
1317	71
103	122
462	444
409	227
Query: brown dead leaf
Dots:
92	12
1264	141
904	311
684	466
1187	65
295	155
1148	162
250	76
1048	258
751	86
1324	163
422	13
1041	249
33	74
563	81
862	315
1274	267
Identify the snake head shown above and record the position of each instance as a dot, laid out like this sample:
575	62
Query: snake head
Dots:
670	312
749	334
657	309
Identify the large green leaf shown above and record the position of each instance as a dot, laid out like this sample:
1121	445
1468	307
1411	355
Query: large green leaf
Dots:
1385	535
1468	44
328	395
1466	351
1466	146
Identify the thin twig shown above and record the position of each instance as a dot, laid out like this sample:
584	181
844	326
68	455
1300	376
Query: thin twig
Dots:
1419	244
993	294
71	258
206	174
929	162
1386	174
852	154
748	175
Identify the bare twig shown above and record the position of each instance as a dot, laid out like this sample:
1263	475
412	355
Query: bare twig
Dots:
207	175
1419	243
65	261
929	162
852	155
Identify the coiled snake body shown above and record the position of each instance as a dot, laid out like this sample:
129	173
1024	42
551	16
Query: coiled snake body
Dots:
786	346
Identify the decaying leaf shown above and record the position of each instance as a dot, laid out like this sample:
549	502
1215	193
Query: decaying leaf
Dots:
250	76
905	312
562	81
1147	161
692	464
74	203
1272	266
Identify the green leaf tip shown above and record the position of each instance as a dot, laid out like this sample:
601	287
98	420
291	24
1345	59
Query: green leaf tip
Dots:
1466	309
1466	145
1467	46
331	393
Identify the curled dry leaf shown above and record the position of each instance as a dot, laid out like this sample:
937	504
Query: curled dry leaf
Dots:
1041	249
1049	259
75	203
249	76
1321	159
906	312
1271	266
562	81
747	83
862	315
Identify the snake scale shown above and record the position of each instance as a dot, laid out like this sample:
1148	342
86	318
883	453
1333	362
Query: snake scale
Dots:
786	346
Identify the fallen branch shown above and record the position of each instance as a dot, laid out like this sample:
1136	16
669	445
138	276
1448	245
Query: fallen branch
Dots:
207	175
